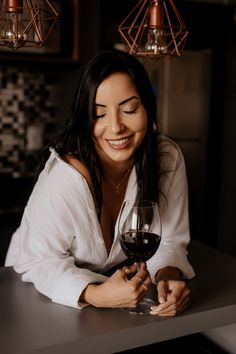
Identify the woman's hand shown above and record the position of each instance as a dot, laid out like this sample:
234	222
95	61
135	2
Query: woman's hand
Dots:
173	294
120	290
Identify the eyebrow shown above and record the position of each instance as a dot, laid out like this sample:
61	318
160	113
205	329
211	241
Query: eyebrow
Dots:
122	102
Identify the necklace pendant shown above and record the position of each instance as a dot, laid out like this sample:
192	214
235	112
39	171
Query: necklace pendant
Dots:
117	186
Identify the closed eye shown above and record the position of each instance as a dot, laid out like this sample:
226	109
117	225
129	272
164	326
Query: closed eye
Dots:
130	111
97	116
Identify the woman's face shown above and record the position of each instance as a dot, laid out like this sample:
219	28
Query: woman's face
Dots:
120	121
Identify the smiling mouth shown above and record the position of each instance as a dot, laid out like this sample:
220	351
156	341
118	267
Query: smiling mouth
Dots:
119	143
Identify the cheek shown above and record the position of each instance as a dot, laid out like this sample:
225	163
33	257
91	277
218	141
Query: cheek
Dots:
142	126
98	129
139	124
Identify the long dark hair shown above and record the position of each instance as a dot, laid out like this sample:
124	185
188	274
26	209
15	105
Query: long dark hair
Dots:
74	136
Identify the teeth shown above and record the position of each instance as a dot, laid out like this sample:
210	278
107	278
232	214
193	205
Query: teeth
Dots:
118	142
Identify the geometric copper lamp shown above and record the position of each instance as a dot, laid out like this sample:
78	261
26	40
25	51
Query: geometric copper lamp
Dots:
26	23
154	28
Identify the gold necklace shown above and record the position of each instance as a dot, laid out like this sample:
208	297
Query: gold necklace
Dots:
118	185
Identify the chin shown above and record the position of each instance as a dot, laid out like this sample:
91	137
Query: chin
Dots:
120	156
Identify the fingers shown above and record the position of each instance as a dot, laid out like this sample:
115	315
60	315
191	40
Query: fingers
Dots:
134	282
126	271
145	287
141	281
174	287
172	310
125	287
142	278
129	270
139	270
162	290
176	301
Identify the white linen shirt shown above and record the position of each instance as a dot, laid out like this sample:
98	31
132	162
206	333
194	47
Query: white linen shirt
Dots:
59	245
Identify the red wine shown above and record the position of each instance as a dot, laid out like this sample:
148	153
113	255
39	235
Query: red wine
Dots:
139	245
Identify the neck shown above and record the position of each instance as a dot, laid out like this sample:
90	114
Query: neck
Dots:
115	170
121	183
116	175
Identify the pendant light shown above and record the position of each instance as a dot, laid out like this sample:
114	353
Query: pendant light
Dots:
153	29
26	23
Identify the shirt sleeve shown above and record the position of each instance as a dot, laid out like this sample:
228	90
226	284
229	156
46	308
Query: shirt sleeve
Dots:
45	237
174	215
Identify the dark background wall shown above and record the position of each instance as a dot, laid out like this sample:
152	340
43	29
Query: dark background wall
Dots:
92	26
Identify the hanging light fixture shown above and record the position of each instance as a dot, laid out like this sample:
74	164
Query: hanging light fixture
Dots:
26	23
154	28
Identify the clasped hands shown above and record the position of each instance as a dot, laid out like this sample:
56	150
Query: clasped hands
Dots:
128	285
173	294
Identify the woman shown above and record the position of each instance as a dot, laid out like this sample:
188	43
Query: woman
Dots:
107	151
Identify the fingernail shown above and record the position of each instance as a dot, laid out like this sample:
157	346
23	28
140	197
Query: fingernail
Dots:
161	300
154	312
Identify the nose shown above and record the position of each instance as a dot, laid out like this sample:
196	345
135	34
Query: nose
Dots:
116	123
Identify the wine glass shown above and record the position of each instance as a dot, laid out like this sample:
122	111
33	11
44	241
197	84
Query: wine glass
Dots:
139	229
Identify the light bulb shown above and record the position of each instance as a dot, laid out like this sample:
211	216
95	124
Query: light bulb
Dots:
14	32
156	43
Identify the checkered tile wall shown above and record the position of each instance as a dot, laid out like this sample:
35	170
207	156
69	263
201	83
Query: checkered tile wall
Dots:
27	112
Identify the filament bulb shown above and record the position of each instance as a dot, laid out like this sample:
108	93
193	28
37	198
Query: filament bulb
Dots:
14	32
156	43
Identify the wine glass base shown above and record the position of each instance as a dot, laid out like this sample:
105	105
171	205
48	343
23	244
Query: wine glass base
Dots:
143	307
